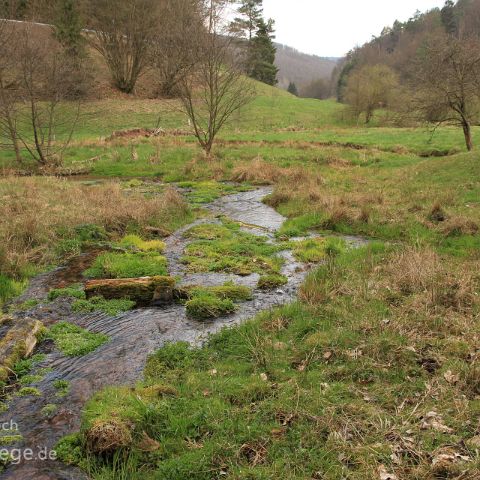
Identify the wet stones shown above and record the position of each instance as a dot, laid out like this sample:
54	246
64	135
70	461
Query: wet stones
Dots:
18	343
145	292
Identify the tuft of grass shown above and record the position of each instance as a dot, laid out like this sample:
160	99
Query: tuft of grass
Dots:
128	265
74	341
229	291
100	304
272	281
315	250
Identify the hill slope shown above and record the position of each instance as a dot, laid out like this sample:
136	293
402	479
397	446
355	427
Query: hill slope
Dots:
301	68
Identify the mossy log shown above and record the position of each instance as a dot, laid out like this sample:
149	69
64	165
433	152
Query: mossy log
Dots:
144	291
18	343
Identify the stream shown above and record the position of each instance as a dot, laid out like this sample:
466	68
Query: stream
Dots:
133	336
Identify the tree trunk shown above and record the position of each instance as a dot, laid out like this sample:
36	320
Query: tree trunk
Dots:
467	131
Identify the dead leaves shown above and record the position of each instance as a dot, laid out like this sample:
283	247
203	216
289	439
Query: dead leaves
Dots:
434	421
384	475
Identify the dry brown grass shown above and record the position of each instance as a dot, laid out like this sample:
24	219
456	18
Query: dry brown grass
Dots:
107	436
422	280
36	213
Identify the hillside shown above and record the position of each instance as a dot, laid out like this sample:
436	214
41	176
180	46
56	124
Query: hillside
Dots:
301	68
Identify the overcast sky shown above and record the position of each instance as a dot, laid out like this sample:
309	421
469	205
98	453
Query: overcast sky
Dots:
330	28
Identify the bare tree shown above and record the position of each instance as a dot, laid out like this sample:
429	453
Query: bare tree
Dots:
8	91
175	48
370	88
216	88
122	32
446	83
35	84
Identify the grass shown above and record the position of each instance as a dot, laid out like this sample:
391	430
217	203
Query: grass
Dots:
128	265
45	221
372	373
69	292
314	250
307	373
226	248
74	341
99	304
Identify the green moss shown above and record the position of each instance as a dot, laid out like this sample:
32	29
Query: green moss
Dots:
229	291
7	440
200	193
99	304
24	366
272	281
29	391
75	341
225	248
49	410
128	265
62	387
70	449
69	292
137	243
203	306
29	379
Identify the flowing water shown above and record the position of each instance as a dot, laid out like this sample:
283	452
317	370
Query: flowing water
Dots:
133	336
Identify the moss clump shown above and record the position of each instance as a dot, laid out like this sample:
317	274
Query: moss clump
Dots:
49	410
99	304
314	250
136	243
74	341
7	440
228	291
29	391
23	307
272	281
70	449
225	248
62	387
204	306
69	292
128	265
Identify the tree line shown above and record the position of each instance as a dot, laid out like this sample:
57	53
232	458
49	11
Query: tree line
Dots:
194	53
426	69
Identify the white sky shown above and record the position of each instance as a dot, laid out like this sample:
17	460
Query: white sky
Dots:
330	28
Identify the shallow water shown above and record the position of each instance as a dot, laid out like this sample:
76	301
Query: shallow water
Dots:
133	336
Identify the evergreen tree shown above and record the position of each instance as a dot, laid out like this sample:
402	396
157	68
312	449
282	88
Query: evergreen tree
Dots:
292	88
251	14
449	18
68	27
262	53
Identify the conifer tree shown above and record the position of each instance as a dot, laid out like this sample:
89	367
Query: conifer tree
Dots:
292	88
262	54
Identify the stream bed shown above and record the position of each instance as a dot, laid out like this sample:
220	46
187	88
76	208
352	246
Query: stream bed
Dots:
132	337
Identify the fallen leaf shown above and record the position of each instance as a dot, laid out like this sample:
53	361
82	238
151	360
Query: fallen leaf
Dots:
451	378
327	355
264	377
384	475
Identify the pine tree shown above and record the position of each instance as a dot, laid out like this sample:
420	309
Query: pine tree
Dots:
262	54
68	27
292	88
449	18
251	12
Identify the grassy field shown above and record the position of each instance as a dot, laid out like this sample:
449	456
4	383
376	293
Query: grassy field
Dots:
373	372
